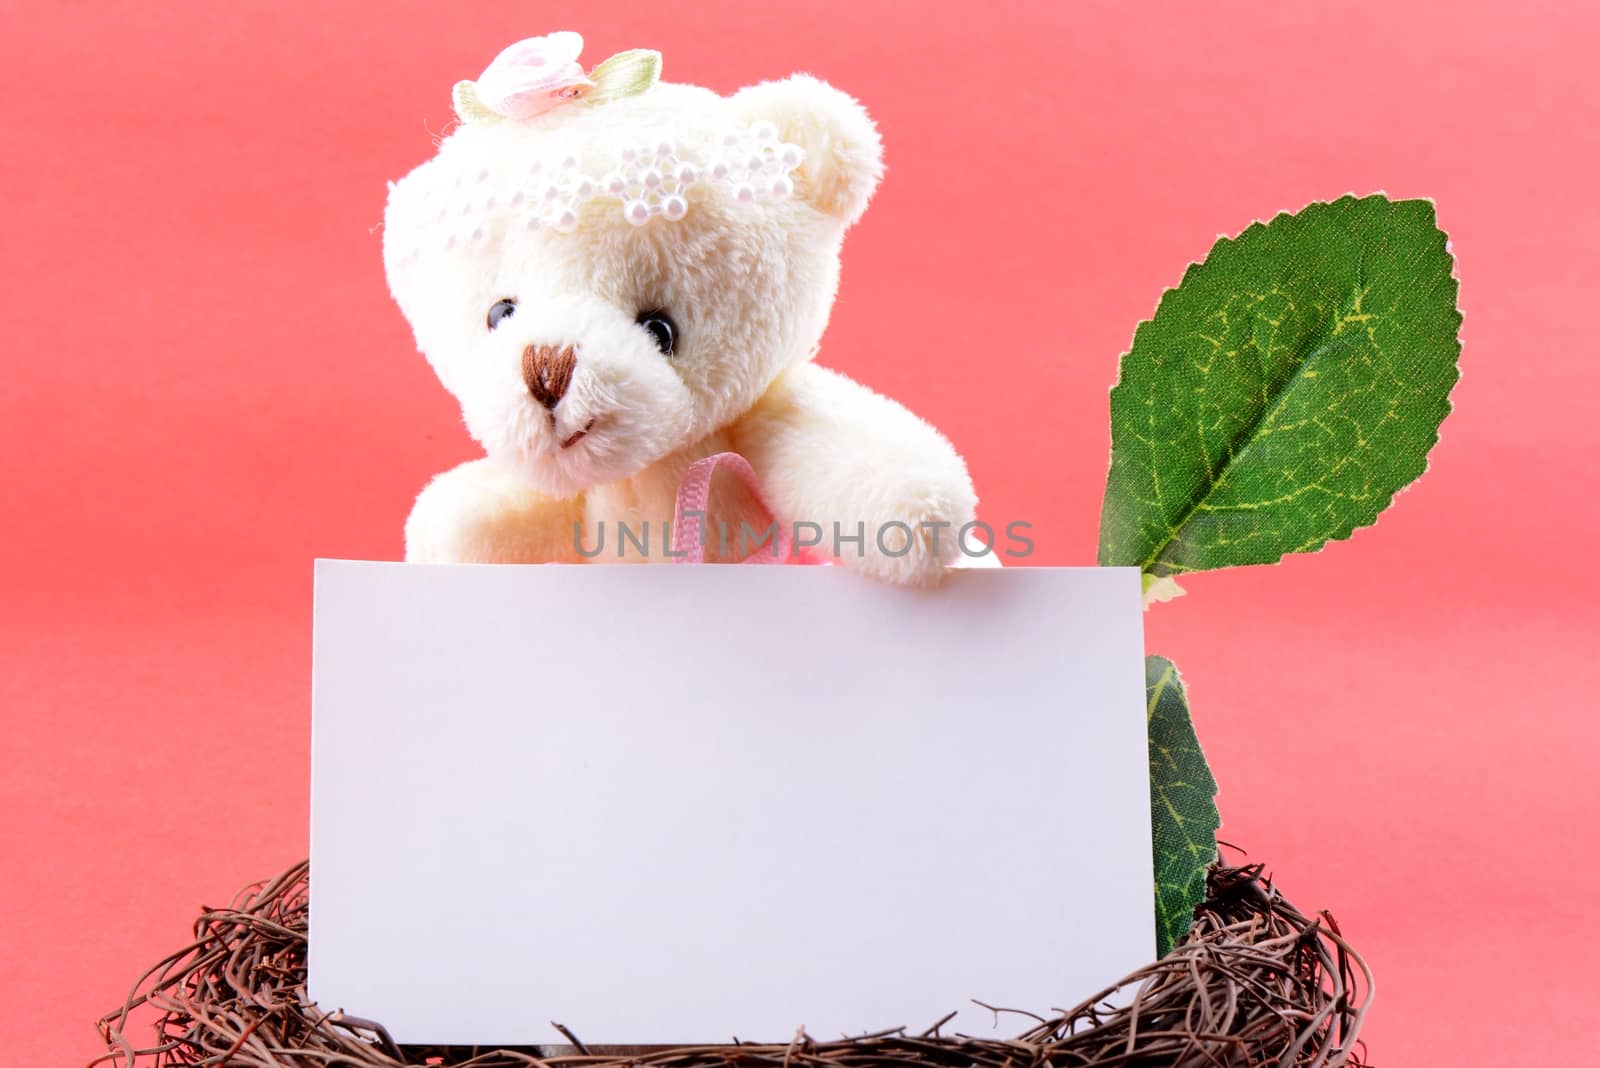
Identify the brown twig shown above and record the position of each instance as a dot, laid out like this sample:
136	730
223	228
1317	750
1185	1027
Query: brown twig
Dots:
1255	983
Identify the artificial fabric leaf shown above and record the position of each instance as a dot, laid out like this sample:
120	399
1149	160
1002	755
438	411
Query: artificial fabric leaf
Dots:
1159	588
1284	391
624	74
468	107
1183	804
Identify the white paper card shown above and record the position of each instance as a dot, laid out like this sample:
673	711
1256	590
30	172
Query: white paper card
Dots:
669	804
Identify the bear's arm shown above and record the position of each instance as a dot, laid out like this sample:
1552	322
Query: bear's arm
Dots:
829	450
480	514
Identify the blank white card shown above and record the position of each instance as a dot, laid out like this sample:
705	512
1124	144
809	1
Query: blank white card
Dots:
682	804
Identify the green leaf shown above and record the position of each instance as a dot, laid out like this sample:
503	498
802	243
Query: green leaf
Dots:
1183	805
464	95
1284	391
624	74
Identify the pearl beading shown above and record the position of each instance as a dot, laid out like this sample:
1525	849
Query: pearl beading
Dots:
649	180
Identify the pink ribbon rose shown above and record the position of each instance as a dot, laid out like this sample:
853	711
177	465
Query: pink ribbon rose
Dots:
533	76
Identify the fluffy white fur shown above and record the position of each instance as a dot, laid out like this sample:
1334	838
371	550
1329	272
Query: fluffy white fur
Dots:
750	286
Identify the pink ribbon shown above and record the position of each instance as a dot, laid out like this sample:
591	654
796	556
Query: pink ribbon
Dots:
694	493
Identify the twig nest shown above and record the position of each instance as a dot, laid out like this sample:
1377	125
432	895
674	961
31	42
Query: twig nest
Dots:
1255	982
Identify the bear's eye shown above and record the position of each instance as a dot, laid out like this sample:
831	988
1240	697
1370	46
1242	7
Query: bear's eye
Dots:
662	328
501	309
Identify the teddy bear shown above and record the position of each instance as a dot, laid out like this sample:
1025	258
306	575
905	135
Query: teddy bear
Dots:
617	277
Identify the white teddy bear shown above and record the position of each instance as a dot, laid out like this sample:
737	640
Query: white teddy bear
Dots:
617	277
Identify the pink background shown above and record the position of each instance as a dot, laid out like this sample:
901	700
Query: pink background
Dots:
206	386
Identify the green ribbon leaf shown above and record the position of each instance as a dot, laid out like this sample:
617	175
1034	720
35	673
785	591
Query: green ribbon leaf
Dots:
464	95
624	74
1284	391
1183	805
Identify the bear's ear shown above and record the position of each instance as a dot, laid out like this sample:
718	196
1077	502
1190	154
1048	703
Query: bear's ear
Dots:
844	157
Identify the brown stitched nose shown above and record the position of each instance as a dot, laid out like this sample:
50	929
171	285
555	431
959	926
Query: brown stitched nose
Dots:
548	372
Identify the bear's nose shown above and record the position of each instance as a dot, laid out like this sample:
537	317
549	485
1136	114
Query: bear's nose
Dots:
548	372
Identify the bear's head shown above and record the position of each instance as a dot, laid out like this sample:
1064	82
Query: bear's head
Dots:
604	268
